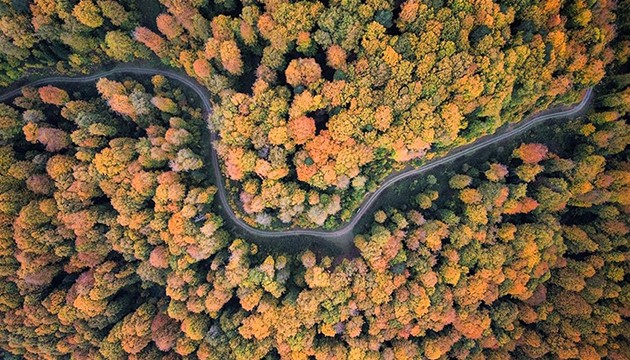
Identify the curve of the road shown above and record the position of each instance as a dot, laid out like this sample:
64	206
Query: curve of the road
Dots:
341	237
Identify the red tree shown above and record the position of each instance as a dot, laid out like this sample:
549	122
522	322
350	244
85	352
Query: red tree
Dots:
530	153
53	95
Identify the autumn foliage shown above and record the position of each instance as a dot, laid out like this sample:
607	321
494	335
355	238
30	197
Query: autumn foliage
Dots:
484	257
303	72
301	129
114	246
53	95
387	85
531	153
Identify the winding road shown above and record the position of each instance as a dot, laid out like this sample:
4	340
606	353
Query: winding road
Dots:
341	237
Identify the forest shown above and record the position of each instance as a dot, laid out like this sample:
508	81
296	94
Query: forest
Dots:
316	103
112	245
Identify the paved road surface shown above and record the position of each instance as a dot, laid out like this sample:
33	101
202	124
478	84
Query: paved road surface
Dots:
341	237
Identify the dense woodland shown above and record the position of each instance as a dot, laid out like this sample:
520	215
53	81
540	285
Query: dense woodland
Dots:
316	102
368	88
111	246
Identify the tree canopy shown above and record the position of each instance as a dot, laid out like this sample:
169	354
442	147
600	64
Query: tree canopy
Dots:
112	245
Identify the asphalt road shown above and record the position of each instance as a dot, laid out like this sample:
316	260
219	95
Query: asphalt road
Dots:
341	237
